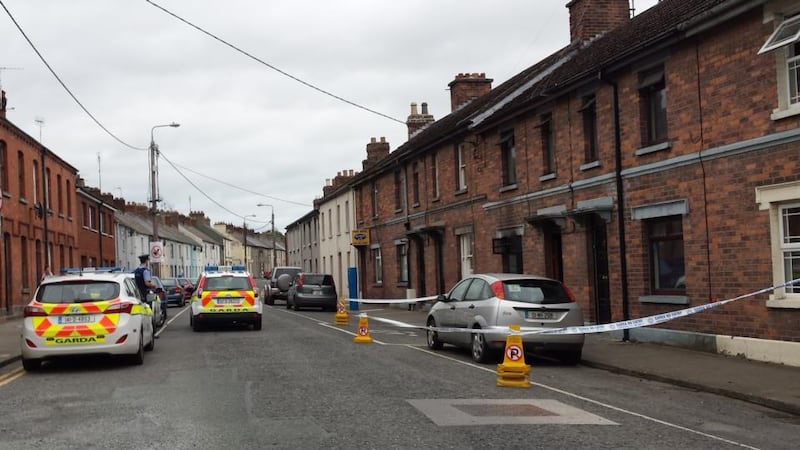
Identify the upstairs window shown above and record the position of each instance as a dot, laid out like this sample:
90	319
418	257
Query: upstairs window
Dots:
461	168
398	191
3	167
435	175
21	176
415	183
374	198
653	106
589	116
787	32
508	154
548	144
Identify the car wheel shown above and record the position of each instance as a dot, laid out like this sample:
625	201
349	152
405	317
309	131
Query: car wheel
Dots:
196	325
149	347
31	365
270	300
288	304
257	324
481	353
433	337
183	302
138	357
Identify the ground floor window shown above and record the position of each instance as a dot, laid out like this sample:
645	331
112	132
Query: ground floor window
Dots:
790	244
377	264
665	235
782	201
465	250
510	250
402	262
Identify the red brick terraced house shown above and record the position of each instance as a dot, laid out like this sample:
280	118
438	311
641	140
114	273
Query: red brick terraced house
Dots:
97	224
652	164
38	223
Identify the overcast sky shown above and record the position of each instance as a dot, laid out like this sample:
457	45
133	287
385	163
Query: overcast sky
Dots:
133	67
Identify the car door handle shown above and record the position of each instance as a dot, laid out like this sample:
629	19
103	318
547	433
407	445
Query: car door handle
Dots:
453	307
471	306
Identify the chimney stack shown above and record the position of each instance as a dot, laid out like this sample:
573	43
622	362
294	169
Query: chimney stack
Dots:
416	121
467	87
591	18
3	102
376	151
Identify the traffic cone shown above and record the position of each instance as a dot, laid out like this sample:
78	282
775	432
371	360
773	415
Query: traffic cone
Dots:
341	317
513	372
362	334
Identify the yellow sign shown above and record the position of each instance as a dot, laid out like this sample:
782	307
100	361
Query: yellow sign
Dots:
359	237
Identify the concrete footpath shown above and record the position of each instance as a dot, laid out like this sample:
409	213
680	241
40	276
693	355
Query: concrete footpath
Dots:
771	385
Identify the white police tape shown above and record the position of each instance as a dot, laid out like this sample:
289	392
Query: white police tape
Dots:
627	324
391	300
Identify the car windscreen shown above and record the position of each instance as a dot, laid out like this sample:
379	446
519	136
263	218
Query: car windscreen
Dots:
169	282
318	279
535	291
77	291
227	284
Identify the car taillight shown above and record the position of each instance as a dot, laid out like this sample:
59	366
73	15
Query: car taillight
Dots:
33	311
569	293
300	281
119	308
497	290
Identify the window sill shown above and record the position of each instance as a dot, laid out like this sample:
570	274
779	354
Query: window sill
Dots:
665	299
6	194
435	199
548	177
784	303
778	114
398	210
61	215
415	205
653	148
509	187
402	284
590	165
23	201
461	192
379	284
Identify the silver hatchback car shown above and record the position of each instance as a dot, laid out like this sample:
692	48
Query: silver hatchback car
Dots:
492	302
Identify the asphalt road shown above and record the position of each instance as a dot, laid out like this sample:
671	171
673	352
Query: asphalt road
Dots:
301	382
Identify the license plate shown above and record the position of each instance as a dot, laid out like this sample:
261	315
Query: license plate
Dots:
228	301
540	315
78	318
316	292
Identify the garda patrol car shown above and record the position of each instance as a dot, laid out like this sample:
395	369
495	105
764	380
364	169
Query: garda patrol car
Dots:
225	295
83	312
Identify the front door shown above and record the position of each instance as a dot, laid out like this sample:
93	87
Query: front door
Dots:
599	268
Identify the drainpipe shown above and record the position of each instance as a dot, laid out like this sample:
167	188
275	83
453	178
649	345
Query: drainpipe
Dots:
620	209
45	204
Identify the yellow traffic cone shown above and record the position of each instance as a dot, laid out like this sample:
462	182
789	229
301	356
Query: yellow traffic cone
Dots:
513	372
362	334
341	317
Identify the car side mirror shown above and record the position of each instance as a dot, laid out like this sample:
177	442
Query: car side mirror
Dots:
159	290
441	298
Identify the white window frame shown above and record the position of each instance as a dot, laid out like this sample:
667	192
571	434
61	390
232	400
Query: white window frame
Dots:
402	262
774	199
786	246
782	17
377	262
461	177
465	250
435	170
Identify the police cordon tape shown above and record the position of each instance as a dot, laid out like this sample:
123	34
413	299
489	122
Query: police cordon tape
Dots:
624	325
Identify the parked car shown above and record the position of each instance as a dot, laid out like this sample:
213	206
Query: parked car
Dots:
86	313
188	287
495	301
279	282
176	294
309	290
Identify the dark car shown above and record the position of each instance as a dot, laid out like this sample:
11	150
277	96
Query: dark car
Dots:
312	290
188	287
279	282
176	294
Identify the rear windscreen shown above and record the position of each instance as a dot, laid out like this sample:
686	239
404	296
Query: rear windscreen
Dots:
322	280
77	292
169	282
228	284
535	291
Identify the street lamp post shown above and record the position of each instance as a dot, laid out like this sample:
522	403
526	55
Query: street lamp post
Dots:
154	187
244	240
274	253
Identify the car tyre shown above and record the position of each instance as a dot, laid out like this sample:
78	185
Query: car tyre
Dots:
138	357
288	304
481	353
433	337
257	324
183	302
149	347
196	325
31	365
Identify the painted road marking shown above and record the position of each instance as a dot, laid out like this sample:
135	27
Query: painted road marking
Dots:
457	412
11	376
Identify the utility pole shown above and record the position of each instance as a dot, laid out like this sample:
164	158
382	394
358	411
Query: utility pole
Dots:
154	189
